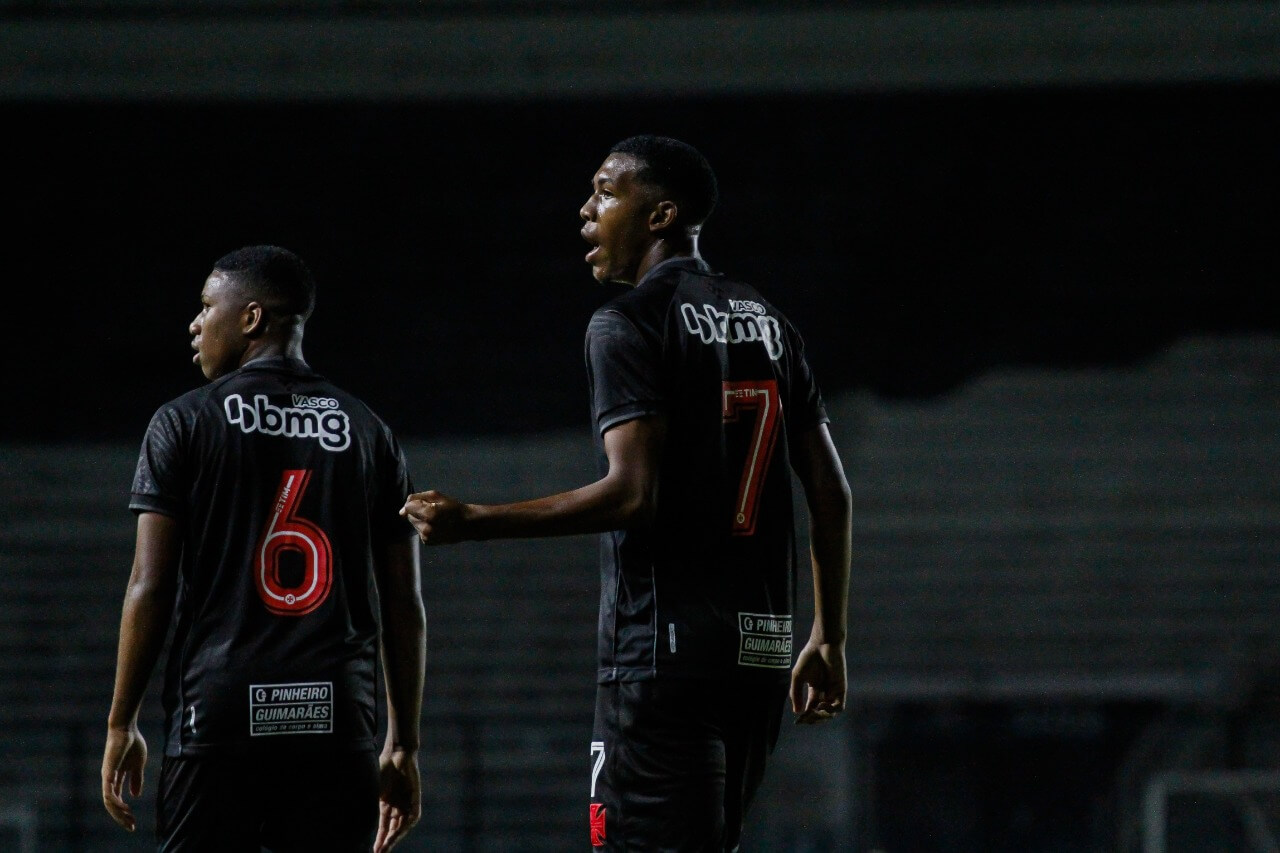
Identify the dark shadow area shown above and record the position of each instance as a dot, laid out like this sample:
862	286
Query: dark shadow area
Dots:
1030	777
916	240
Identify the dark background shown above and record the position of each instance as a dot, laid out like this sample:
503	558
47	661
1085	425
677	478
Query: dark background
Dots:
919	231
916	239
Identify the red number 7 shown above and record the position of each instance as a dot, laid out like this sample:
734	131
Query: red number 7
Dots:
286	531
762	397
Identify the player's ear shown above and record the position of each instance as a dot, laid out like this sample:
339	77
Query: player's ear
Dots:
663	216
253	319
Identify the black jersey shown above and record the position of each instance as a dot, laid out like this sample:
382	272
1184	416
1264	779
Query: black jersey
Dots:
285	485
708	588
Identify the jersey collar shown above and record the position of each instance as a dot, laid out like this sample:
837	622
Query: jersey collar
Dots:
688	264
276	363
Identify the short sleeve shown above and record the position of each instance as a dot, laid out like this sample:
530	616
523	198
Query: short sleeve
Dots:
805	407
159	483
623	369
394	485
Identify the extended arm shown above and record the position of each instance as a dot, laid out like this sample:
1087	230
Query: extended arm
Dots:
404	642
624	497
144	622
820	666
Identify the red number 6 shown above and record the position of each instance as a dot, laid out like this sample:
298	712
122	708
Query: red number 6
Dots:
287	532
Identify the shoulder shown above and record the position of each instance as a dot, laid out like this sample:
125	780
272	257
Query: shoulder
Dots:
646	305
638	299
615	334
747	295
624	314
349	401
362	416
184	408
748	298
611	319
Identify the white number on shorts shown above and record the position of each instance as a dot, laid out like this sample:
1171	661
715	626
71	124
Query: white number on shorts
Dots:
597	749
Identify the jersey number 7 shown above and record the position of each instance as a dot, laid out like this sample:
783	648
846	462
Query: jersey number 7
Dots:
287	533
760	397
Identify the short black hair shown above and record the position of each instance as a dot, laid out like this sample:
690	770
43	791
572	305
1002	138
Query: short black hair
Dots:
677	168
275	276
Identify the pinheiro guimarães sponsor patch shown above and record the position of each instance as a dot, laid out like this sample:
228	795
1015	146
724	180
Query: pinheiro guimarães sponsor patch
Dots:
291	709
764	639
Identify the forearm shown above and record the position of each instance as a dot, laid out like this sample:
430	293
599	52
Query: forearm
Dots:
404	667
830	532
144	621
624	498
608	504
831	554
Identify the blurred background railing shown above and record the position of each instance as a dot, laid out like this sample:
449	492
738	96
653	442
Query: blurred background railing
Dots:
1063	591
1029	245
490	49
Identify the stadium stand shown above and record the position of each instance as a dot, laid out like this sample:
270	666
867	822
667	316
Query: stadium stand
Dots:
1075	536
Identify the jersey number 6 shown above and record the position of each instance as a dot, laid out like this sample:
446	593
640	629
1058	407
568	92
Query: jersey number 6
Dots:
762	398
287	533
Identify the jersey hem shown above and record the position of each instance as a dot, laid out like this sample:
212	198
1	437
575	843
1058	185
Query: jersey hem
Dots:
152	503
245	748
628	412
612	675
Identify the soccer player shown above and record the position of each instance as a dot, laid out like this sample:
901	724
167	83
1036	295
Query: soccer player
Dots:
703	405
267	529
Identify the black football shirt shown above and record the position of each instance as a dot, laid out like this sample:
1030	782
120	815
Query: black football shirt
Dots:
284	486
708	589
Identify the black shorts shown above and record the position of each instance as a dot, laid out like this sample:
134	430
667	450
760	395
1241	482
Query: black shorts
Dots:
676	762
294	802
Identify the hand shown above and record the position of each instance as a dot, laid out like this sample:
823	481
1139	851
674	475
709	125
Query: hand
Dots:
125	757
438	518
400	797
820	667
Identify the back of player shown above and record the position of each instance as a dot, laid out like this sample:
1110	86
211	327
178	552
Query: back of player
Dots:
268	533
696	622
276	630
703	406
707	590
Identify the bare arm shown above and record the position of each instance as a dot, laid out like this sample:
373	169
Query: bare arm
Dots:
404	642
404	627
624	497
820	666
144	622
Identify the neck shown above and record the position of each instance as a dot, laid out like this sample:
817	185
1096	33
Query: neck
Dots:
291	348
666	248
